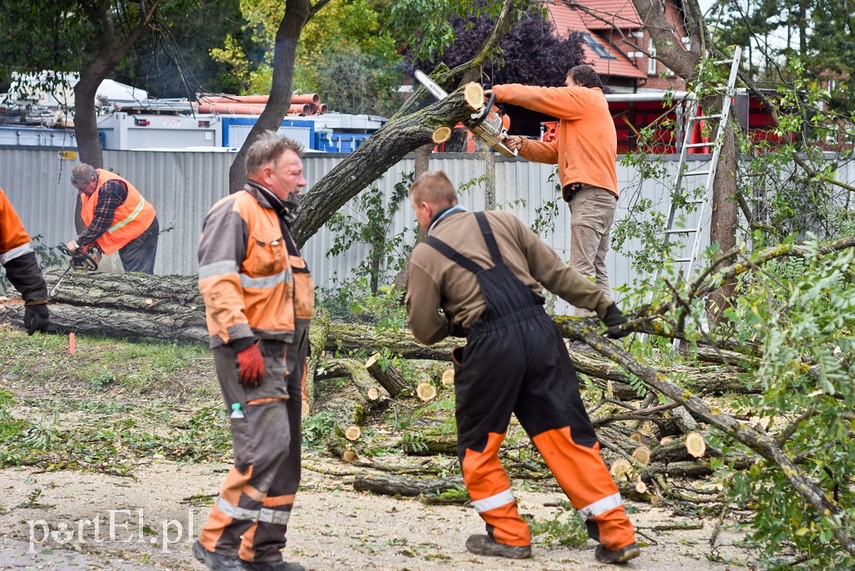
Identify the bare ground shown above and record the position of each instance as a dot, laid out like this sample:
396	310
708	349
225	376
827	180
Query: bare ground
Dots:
154	517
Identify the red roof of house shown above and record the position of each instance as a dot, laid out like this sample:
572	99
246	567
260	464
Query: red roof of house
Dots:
568	20
609	14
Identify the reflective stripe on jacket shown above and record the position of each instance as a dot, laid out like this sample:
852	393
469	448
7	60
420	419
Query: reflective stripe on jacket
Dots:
251	284
132	218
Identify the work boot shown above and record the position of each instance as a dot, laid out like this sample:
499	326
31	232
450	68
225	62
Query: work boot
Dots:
215	561
480	544
605	555
273	566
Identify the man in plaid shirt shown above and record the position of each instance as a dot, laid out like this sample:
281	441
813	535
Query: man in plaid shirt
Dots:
117	218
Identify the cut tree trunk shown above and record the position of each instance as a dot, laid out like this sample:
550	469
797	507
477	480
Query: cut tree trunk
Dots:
677	450
352	369
389	376
388	485
429	440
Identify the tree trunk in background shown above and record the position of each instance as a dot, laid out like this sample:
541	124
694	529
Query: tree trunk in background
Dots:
111	49
724	218
297	13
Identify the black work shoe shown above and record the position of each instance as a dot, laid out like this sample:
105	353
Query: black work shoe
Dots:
215	561
273	566
480	544
606	555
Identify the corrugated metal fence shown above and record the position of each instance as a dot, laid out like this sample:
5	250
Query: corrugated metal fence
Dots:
182	186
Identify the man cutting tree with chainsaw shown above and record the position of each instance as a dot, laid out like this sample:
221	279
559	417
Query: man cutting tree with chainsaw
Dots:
586	154
22	267
117	218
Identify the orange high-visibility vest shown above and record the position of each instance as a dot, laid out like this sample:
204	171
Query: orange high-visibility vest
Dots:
131	219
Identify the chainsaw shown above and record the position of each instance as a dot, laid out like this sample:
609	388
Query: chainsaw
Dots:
487	123
80	260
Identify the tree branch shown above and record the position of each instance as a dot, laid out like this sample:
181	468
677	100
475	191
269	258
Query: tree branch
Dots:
760	443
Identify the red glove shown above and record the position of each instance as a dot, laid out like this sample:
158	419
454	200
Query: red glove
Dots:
251	366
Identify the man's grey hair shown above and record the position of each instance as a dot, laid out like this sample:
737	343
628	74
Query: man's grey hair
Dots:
267	149
82	174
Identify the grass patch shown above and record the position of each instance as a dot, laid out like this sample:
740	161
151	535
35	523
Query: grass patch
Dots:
97	362
137	400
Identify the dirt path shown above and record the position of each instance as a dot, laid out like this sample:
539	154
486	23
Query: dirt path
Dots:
154	517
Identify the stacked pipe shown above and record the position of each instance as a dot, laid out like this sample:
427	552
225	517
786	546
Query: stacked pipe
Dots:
305	104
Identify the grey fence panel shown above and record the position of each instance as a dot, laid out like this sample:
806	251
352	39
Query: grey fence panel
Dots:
37	182
183	185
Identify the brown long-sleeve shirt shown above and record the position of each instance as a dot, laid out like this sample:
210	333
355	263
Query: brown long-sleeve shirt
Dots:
436	282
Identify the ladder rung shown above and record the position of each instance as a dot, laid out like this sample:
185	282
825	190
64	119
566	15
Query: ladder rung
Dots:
713	116
682	260
697	145
695	173
721	61
681	230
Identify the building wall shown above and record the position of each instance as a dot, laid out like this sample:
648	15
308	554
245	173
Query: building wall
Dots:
182	186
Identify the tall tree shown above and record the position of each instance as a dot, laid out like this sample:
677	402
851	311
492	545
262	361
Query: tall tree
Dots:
116	26
297	13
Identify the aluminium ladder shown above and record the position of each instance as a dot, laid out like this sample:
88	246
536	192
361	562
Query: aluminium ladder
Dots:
708	171
699	200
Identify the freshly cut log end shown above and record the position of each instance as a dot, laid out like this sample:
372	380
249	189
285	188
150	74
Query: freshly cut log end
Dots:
373	393
441	134
620	468
642	455
448	377
352	433
695	444
350	456
473	93
640	487
637	436
425	391
304	410
665	440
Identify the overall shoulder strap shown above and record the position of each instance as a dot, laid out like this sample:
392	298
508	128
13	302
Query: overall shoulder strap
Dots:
453	254
492	246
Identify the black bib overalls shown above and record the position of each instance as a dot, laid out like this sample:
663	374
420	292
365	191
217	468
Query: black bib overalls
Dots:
515	361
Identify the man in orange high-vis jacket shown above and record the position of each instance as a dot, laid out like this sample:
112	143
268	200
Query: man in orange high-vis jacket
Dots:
22	267
258	299
480	275
117	218
585	151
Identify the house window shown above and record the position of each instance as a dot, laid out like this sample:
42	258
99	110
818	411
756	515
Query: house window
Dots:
651	58
832	85
597	47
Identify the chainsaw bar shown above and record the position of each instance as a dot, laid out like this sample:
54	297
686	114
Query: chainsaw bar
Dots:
485	123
